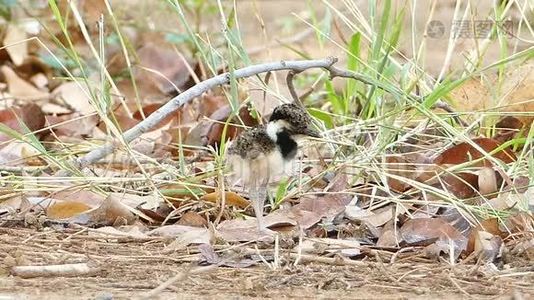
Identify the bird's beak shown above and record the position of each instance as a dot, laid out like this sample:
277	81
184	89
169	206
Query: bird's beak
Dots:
310	131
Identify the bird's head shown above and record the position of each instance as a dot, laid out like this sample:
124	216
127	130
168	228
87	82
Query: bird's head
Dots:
292	119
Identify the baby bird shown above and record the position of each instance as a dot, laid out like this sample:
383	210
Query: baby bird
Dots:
260	153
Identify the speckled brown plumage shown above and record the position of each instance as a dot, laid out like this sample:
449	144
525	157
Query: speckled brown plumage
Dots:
251	143
295	115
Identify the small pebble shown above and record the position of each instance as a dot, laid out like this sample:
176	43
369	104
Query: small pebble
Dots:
104	296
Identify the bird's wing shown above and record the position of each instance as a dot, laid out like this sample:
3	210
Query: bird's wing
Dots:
251	144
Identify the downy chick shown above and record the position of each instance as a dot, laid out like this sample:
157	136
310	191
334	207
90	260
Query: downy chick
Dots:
260	153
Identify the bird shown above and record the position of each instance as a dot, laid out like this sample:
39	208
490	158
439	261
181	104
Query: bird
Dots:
260	153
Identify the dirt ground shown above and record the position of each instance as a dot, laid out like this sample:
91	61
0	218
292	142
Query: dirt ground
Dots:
129	269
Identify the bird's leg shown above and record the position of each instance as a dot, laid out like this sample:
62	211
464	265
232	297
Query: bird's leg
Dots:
258	193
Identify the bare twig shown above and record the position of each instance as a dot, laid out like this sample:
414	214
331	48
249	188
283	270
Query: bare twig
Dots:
446	107
455	283
291	87
22	169
67	270
172	280
266	81
402	250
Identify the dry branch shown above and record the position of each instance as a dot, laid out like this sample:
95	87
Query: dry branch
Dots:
177	102
178	277
196	91
66	270
291	87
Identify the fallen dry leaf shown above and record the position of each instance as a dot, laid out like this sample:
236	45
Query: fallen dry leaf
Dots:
433	231
30	115
152	201
524	248
144	92
92	10
464	152
520	222
74	97
425	211
239	230
36	203
192	218
414	166
211	102
14	40
328	205
32	157
488	247
88	197
159	215
162	66
463	185
520	184
376	217
21	89
123	121
213	128
507	128
518	93
472	95
62	126
305	219
111	212
18	153
515	94
356	213
54	109
172	137
466	184
182	235
11	204
231	198
487	181
66	209
40	81
390	236
34	66
507	200
150	108
490	226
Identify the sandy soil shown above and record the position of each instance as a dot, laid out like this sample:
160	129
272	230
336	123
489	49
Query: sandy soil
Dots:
129	269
